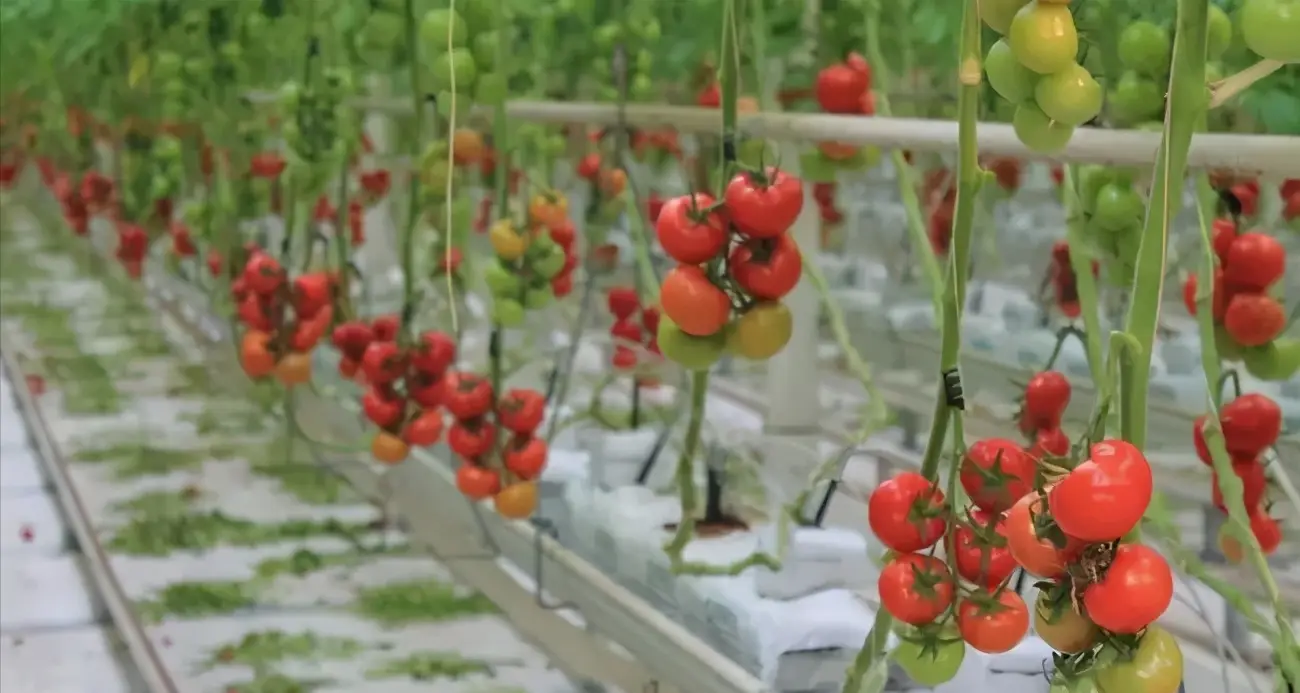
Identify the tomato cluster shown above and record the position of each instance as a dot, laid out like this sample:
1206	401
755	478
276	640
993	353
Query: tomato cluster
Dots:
1270	27
824	196
1114	209
501	455
736	262
1033	66
634	325
1042	409
405	383
610	181
1249	320
845	87
1251	425
373	186
528	265
1062	520
1064	282
283	319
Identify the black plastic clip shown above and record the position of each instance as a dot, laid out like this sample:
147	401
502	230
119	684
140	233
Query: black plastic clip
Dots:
952	389
544	527
729	147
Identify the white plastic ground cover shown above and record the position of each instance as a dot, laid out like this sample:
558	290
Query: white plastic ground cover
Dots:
84	659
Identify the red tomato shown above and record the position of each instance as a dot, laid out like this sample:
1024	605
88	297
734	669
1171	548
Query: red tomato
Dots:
1248	196
692	302
351	339
589	167
1135	590
689	234
1037	555
1251	423
1050	441
840	88
564	234
433	353
254	312
623	358
266	165
471	439
525	457
383	408
215	263
767	269
383	363
1267	530
425	389
766	205
981	555
1046	397
376	182
1254	482
308	332
1105	496
993	623
386	327
477	483
1255	261
311	293
1218	299
915	589
996	473
627	330
1254	319
424	430
1198	439
906	513
623	302
710	96
1222	234
263	274
650	319
466	395
521	411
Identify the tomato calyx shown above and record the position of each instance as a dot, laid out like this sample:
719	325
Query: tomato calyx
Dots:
926	582
1045	527
930	638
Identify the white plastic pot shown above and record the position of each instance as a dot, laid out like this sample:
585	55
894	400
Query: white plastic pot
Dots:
617	456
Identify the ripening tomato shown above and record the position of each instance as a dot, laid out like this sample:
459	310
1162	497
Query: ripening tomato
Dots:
915	589
906	513
996	473
1267	531
1046	397
766	269
308	332
477	483
981	555
471	439
764	205
1062	627
424	430
692	302
1251	423
1135	590
1036	554
525	457
1155	667
466	395
1254	319
521	411
1103	498
1254	483
993	623
689	232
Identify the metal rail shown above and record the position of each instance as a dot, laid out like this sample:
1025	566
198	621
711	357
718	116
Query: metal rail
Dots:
144	657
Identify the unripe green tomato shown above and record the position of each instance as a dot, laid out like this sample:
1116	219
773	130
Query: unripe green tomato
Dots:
606	36
1043	37
997	14
290	97
480	15
290	132
1011	80
608	93
538	298
457	66
1070	96
1219	33
167	149
440	26
642	87
1038	132
1271	28
1117	207
507	312
644	61
1135	99
553	146
1146	48
484	49
650	31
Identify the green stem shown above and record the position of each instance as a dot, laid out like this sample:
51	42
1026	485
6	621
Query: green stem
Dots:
1081	257
1187	103
413	191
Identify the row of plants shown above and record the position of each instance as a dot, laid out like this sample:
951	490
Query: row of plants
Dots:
196	159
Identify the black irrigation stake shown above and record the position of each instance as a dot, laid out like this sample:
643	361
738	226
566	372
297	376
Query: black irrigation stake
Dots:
544	527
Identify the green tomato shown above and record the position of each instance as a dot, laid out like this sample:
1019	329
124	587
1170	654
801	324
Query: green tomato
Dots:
480	15
1011	80
458	64
1038	132
1043	37
606	36
548	266
1082	684
1155	667
1228	348
484	48
642	88
1271	28
1146	48
1219	32
500	280
1277	361
438	26
167	149
493	89
997	14
538	298
1070	96
688	351
933	668
1117	207
1135	99
1091	179
507	312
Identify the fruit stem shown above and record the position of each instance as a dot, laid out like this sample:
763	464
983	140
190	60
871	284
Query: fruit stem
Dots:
1185	110
413	185
903	172
1081	257
1228	87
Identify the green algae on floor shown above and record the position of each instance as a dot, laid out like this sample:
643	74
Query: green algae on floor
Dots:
197	599
424	666
135	458
305	561
420	600
290	463
261	649
279	683
158	503
159	534
234	419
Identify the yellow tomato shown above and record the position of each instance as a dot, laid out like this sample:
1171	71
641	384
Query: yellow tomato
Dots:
508	243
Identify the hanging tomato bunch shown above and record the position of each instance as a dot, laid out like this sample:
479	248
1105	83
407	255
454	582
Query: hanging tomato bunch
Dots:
283	319
352	338
1042	408
522	276
501	455
1251	424
1059	519
736	262
404	385
1114	210
634	324
1249	320
1064	282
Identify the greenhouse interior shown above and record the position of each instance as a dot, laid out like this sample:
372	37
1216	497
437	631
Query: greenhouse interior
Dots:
768	361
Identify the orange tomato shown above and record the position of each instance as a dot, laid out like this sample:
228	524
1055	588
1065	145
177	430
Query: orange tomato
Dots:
837	151
548	208
613	181
691	301
294	369
747	104
517	501
388	448
466	146
255	354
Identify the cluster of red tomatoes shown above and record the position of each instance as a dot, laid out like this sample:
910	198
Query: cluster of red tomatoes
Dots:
501	455
1251	425
845	87
1249	265
634	324
824	196
1064	282
404	383
1062	521
939	195
283	319
609	180
1042	409
736	262
1246	192
373	186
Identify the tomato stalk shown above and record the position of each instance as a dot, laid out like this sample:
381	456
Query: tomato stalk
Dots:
1081	257
407	238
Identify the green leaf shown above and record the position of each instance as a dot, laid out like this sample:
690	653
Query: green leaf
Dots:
815	167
